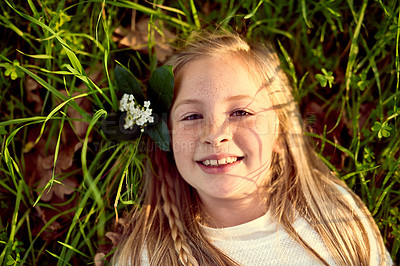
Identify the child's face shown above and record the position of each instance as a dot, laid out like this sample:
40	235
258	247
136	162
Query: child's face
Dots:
223	129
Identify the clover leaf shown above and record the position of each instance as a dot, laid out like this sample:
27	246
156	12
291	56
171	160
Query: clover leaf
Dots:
326	78
13	71
383	129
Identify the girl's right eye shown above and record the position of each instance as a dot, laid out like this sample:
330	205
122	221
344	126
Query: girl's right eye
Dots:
192	117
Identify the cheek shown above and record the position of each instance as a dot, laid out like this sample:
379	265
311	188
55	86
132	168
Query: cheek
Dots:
257	136
266	124
267	130
258	126
183	141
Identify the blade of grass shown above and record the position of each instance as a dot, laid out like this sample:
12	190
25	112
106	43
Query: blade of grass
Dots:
78	69
149	11
378	204
13	222
10	25
57	150
339	147
46	85
59	258
254	11
304	13
91	85
17	121
105	64
91	191
50	222
71	55
397	63
36	56
354	48
195	15
168	8
33	8
73	249
28	226
55	110
87	176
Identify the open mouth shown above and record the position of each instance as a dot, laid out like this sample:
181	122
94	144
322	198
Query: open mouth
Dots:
221	162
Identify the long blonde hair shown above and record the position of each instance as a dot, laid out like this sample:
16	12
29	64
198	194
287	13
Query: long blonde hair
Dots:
166	225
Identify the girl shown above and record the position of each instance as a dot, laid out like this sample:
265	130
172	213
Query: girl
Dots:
242	185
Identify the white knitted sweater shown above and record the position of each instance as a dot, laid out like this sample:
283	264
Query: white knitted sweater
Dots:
263	242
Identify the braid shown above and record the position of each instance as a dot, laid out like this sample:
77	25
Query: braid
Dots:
171	211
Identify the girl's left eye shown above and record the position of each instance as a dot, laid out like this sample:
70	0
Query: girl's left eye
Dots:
240	113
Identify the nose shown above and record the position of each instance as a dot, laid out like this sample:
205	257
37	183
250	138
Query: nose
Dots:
216	132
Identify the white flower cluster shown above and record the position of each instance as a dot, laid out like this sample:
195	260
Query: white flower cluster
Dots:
136	114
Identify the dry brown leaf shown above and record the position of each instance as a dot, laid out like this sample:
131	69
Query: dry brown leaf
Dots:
137	39
59	190
123	222
39	166
98	259
114	237
78	121
45	171
32	94
64	162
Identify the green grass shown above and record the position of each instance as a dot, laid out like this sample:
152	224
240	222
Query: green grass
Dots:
57	61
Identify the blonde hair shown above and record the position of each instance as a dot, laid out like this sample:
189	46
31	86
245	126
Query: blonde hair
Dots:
167	223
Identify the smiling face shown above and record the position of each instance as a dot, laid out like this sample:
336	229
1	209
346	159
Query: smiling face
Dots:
223	129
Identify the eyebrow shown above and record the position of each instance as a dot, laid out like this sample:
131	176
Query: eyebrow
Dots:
230	98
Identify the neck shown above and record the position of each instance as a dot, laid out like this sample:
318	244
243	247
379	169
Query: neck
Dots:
228	212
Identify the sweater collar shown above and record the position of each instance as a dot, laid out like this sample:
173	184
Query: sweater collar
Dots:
257	228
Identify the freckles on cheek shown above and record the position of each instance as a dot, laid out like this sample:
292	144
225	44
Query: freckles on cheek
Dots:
265	125
247	127
183	142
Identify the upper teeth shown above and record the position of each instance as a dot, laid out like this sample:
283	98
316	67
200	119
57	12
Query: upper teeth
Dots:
222	161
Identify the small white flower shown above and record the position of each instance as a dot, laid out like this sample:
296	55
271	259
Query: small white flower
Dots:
123	103
136	114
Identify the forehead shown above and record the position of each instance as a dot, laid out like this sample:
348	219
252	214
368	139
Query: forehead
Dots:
213	76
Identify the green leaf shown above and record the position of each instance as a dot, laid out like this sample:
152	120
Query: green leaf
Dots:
321	79
127	83
382	129
13	71
326	78
14	75
160	135
37	56
376	126
385	133
386	130
9	70
113	128
161	89
10	261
